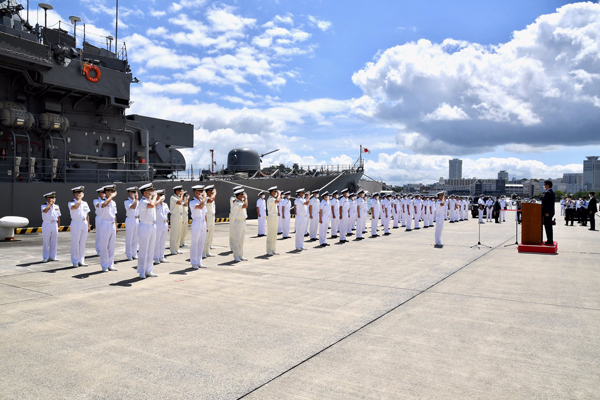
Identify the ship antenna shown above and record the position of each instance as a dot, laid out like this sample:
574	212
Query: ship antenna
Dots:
117	27
74	20
46	7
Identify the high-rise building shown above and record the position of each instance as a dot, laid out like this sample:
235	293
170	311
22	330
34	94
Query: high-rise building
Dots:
455	169
591	173
503	175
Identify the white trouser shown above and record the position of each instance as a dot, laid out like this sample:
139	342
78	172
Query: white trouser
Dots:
488	215
131	236
374	222
108	233
210	232
385	222
466	214
262	224
418	220
360	225
285	228
239	234
279	223
272	226
300	229
198	241
503	215
97	235
50	239
439	226
175	232
185	223
147	237
323	228
314	226
335	222
344	222
351	222
79	231
162	231
562	212
396	220
408	218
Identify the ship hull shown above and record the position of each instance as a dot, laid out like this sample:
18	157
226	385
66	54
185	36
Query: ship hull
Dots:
24	199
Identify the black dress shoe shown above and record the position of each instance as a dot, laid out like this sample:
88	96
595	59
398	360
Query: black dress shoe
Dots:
323	245
387	234
334	236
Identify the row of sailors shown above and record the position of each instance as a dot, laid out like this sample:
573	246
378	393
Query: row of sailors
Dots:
146	225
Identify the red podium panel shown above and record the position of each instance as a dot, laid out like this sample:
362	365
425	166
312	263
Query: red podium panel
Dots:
531	224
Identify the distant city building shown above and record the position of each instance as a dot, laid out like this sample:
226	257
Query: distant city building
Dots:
591	173
455	169
573	182
557	184
503	175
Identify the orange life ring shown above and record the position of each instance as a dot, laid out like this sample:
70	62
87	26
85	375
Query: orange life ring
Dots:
87	68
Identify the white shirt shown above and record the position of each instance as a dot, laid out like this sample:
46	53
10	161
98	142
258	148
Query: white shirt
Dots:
174	207
376	206
198	214
147	215
325	206
314	202
288	205
260	204
79	214
237	212
107	213
439	209
335	203
345	204
131	212
272	206
301	210
362	206
162	212
52	214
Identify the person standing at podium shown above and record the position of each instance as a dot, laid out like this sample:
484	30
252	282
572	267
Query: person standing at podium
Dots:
548	211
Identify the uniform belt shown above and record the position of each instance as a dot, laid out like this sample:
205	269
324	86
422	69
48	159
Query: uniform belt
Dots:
148	222
50	222
164	221
77	219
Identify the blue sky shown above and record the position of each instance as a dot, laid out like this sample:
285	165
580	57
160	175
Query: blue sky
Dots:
507	84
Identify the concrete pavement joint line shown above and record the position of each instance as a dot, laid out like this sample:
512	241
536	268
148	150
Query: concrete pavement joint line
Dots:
516	301
372	321
29	290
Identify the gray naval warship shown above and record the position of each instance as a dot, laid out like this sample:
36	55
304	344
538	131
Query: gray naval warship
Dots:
64	123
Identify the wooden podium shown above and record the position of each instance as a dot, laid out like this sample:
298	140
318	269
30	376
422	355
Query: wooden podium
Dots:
531	224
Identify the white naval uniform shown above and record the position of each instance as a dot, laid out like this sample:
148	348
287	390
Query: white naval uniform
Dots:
489	205
313	209
325	217
452	208
50	231
335	216
301	221
176	225
395	213
361	222
375	211
417	207
385	215
345	217
211	211
197	245
353	215
162	231
79	231
132	221
480	203
408	213
286	216
440	215
279	218
231	232
426	213
503	210
147	237
185	223
273	211
96	203
108	234
239	216
262	220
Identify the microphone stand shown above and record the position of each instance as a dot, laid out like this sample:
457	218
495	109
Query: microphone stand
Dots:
516	243
479	245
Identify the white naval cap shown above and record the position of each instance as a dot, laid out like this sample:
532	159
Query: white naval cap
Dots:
315	191
360	191
334	192
272	188
198	187
160	191
78	189
300	190
209	187
344	190
286	193
325	193
438	193
178	187
100	189
261	193
50	194
239	191
236	188
132	189
147	186
110	187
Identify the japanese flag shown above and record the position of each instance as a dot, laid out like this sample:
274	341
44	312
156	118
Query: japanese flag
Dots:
365	150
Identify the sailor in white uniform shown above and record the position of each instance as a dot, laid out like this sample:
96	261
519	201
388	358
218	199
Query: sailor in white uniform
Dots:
395	213
211	211
96	203
375	211
177	216
279	216
502	209
408	212
286	214
185	222
108	229
80	226
301	211
324	219
273	219
231	201
147	231
162	227
353	215
361	210
198	207
50	223
481	206
417	206
239	215
440	215
313	215
335	214
489	205
562	206
132	220
386	213
261	212
344	216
